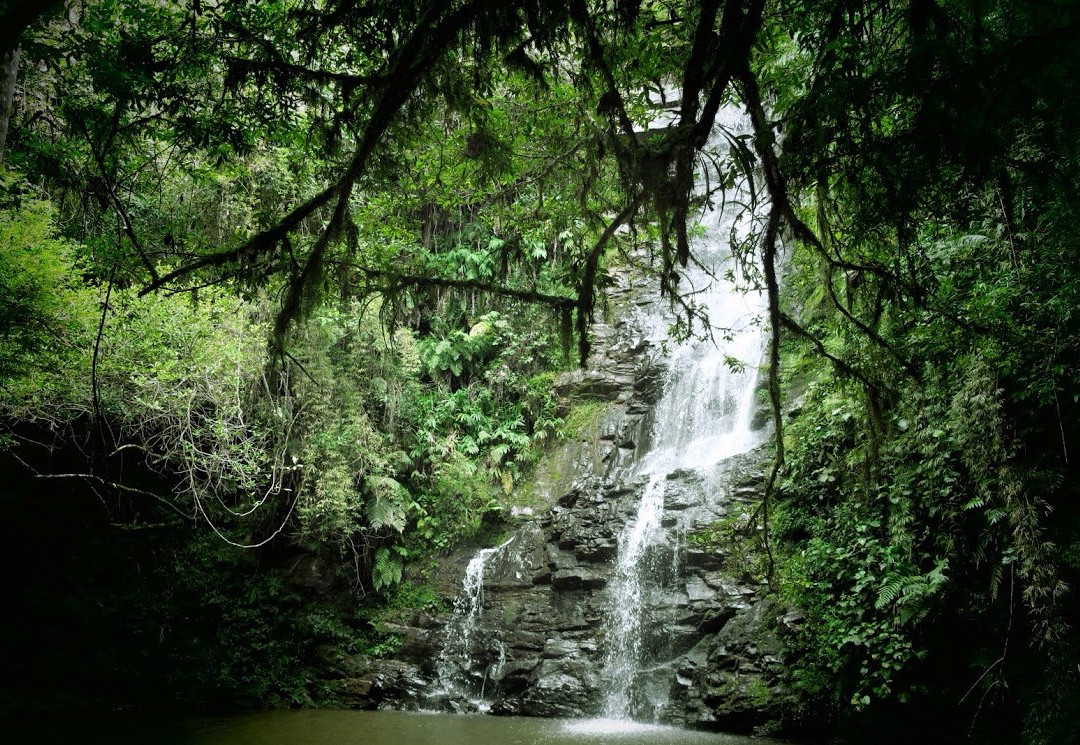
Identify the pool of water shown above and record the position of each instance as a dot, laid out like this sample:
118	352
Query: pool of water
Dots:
364	728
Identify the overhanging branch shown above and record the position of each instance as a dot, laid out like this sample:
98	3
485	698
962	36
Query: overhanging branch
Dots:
586	296
394	282
413	60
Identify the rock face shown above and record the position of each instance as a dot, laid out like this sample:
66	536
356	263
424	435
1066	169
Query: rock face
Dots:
711	660
538	643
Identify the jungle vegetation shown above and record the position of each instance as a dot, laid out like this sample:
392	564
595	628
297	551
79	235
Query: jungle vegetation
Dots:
291	280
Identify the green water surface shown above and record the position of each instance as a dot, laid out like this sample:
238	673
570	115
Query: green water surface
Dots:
364	728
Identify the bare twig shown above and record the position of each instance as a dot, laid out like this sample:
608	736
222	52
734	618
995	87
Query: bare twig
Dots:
97	346
115	485
999	660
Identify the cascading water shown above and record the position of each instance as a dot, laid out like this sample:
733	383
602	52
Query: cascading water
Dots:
463	626
631	574
565	632
703	417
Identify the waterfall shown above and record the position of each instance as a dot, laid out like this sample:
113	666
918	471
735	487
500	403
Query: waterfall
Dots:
462	629
705	413
703	417
568	632
631	575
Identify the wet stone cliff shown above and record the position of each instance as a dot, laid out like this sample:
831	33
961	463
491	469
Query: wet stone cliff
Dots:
536	622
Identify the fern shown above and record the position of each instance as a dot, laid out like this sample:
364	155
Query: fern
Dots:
890	591
498	454
387	504
386	571
911	593
995	581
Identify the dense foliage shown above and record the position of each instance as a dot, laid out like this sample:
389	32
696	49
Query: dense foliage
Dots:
287	284
928	500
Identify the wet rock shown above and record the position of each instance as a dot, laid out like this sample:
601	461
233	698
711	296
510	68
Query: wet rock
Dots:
733	680
698	591
417	644
562	689
354	693
703	558
714	620
394	682
792	620
556	648
539	643
676	500
578	578
517	676
542	575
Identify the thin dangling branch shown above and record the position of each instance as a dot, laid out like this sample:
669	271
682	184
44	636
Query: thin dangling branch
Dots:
586	295
779	208
772	287
97	347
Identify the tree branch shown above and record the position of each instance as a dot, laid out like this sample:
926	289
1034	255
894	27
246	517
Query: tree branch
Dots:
413	59
841	366
869	332
737	33
346	80
615	101
395	282
129	229
114	485
772	287
586	295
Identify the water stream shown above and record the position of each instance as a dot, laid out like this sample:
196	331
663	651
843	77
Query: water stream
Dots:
632	573
462	629
703	417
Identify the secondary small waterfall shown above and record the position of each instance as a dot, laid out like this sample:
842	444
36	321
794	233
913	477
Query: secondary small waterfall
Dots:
703	417
464	624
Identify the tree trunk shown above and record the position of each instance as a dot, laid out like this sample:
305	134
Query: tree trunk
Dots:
9	68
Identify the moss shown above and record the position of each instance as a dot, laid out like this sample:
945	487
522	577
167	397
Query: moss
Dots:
758	692
413	595
584	417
